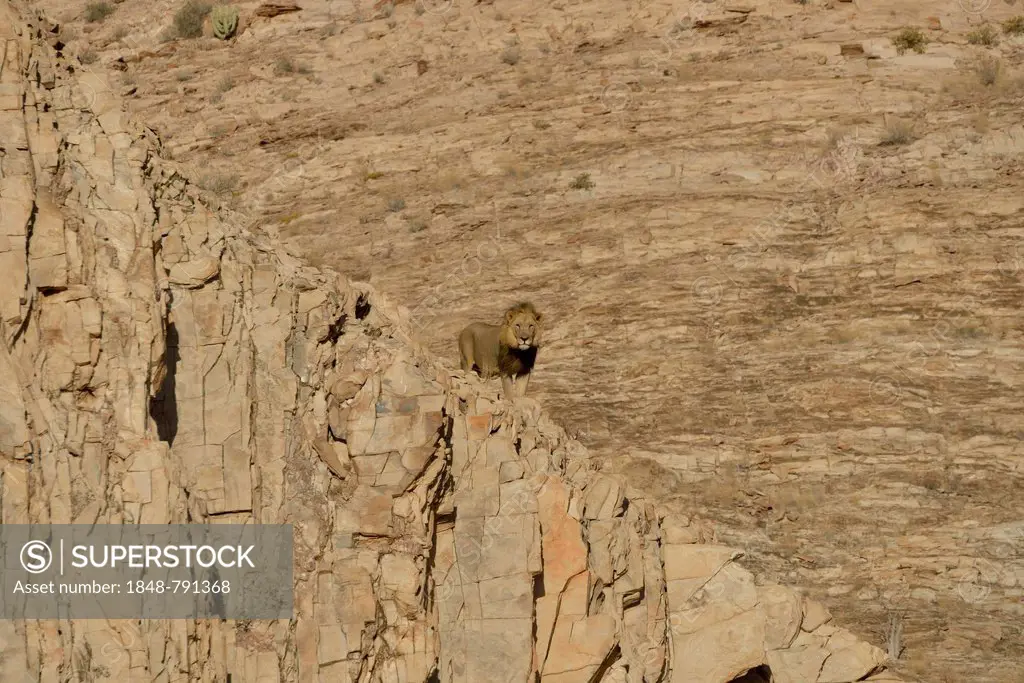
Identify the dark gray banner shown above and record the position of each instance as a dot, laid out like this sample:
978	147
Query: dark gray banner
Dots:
149	571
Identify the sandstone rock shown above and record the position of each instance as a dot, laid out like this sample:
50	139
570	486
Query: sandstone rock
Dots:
578	648
194	273
849	659
815	614
603	498
510	471
783	613
15	437
335	456
48	267
796	664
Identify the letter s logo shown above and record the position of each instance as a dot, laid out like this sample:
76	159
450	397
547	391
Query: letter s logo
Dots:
36	557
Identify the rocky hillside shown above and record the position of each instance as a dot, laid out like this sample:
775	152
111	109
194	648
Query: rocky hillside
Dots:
161	365
780	256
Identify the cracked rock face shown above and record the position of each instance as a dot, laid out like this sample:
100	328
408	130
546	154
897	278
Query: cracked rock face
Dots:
160	366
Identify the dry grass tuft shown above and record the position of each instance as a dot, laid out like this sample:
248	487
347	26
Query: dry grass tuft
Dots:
910	39
1014	26
898	133
98	11
188	21
986	35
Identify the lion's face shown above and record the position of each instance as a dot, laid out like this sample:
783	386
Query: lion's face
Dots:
522	329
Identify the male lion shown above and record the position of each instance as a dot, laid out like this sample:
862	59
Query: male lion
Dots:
508	350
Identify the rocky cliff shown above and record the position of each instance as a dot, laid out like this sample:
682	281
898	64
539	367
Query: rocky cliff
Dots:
161	365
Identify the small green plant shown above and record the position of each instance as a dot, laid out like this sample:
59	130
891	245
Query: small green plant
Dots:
986	35
420	9
185	76
283	65
898	133
910	39
373	175
225	21
88	56
396	205
511	55
582	182
98	11
188	21
417	225
378	78
1014	26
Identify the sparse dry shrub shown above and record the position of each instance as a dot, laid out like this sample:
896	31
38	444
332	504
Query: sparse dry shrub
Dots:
910	39
283	65
898	132
98	11
219	183
188	21
986	35
582	182
1014	26
988	71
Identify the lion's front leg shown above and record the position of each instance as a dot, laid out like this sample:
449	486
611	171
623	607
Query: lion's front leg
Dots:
508	387
522	383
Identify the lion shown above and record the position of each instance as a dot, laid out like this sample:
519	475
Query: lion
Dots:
508	350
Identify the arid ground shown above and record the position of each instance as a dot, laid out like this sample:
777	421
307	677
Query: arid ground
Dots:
781	255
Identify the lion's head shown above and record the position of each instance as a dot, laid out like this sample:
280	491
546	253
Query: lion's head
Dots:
521	327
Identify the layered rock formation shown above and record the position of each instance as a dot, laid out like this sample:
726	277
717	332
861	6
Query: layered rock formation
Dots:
160	366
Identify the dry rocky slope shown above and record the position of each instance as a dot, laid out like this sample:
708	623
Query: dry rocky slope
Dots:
759	313
160	365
